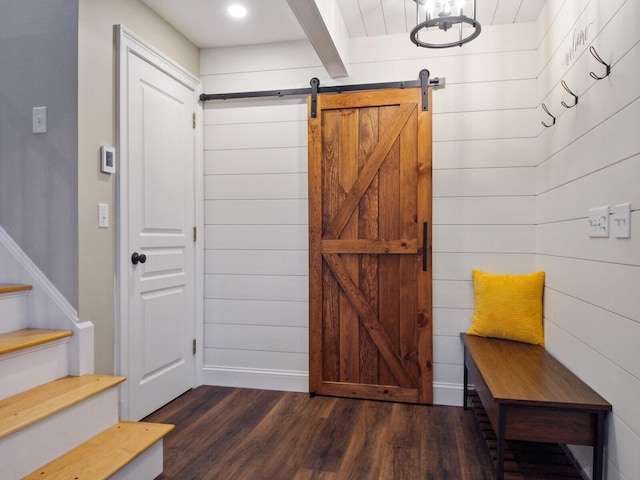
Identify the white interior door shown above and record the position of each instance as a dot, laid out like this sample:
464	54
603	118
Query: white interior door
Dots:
157	216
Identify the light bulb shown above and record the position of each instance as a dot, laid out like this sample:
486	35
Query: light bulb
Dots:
237	11
430	6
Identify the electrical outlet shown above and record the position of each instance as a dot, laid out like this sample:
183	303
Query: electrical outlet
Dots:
599	222
621	219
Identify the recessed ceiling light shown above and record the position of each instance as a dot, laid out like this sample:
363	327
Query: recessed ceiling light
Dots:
237	11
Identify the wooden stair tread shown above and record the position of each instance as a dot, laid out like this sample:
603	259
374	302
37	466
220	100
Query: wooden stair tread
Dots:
26	408
29	337
13	288
106	453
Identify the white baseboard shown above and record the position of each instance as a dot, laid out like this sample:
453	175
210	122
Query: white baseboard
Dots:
449	394
298	381
283	380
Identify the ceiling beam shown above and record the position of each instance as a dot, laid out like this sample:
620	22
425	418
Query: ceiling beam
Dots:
324	26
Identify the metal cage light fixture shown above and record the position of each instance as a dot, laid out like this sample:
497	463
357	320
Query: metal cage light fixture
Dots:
444	15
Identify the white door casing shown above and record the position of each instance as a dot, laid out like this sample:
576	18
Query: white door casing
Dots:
159	204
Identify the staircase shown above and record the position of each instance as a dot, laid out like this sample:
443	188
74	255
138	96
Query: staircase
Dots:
55	425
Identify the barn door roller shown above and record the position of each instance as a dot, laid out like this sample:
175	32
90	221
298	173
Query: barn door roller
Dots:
424	82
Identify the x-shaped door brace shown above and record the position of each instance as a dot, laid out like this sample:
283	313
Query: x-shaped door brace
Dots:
367	314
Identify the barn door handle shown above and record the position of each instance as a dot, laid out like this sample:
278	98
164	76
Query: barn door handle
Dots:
138	258
425	237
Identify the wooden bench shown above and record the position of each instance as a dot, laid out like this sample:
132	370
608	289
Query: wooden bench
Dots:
530	396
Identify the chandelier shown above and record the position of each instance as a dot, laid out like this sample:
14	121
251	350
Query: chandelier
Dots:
444	15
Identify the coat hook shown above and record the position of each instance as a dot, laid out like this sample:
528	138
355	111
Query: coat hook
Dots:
544	107
575	97
597	57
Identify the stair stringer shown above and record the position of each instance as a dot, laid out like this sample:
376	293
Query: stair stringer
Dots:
46	306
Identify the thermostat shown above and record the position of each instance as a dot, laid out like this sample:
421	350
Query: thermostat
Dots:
108	159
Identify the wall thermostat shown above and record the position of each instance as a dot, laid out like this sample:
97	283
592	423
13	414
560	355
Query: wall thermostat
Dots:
108	159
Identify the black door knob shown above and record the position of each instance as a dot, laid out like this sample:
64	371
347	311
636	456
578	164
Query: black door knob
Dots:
138	258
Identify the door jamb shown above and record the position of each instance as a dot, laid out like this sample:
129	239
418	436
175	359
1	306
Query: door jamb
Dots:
128	43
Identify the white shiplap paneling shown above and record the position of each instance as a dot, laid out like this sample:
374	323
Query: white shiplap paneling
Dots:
510	196
478	210
254	236
256	287
458	266
255	212
484	238
257	262
256	186
485	151
589	159
493	152
271	160
484	182
256	135
279	313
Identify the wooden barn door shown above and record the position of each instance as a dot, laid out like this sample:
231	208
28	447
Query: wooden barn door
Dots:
370	332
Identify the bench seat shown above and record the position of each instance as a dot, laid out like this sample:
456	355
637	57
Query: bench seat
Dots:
530	396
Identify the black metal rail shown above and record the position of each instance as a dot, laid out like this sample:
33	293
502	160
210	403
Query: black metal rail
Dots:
424	82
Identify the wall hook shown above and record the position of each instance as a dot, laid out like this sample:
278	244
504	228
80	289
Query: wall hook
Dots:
597	57
544	107
575	97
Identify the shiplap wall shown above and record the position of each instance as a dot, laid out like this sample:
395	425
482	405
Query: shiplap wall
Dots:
509	196
486	130
591	158
256	272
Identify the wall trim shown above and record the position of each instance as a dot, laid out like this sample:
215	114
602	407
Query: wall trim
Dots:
47	307
449	394
284	380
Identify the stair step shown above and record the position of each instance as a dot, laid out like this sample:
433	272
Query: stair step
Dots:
26	408
105	454
13	288
30	357
29	337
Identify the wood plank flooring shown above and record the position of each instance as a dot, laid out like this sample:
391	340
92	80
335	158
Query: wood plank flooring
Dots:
227	433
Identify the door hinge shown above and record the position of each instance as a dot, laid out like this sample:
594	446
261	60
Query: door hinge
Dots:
195	233
194	346
194	119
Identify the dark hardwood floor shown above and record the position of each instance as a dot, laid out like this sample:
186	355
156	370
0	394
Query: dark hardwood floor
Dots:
228	433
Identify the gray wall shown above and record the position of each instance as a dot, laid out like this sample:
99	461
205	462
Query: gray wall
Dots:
39	172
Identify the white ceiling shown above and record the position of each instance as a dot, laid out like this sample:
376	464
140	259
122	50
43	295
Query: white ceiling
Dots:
206	23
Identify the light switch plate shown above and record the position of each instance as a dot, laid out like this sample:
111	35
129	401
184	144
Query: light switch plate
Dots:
103	215
599	222
39	120
621	220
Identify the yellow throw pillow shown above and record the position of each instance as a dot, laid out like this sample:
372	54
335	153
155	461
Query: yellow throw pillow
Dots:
508	306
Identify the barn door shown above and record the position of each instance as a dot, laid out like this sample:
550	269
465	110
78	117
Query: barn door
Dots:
369	259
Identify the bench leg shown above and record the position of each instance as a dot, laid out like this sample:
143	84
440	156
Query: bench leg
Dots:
465	400
598	448
501	442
